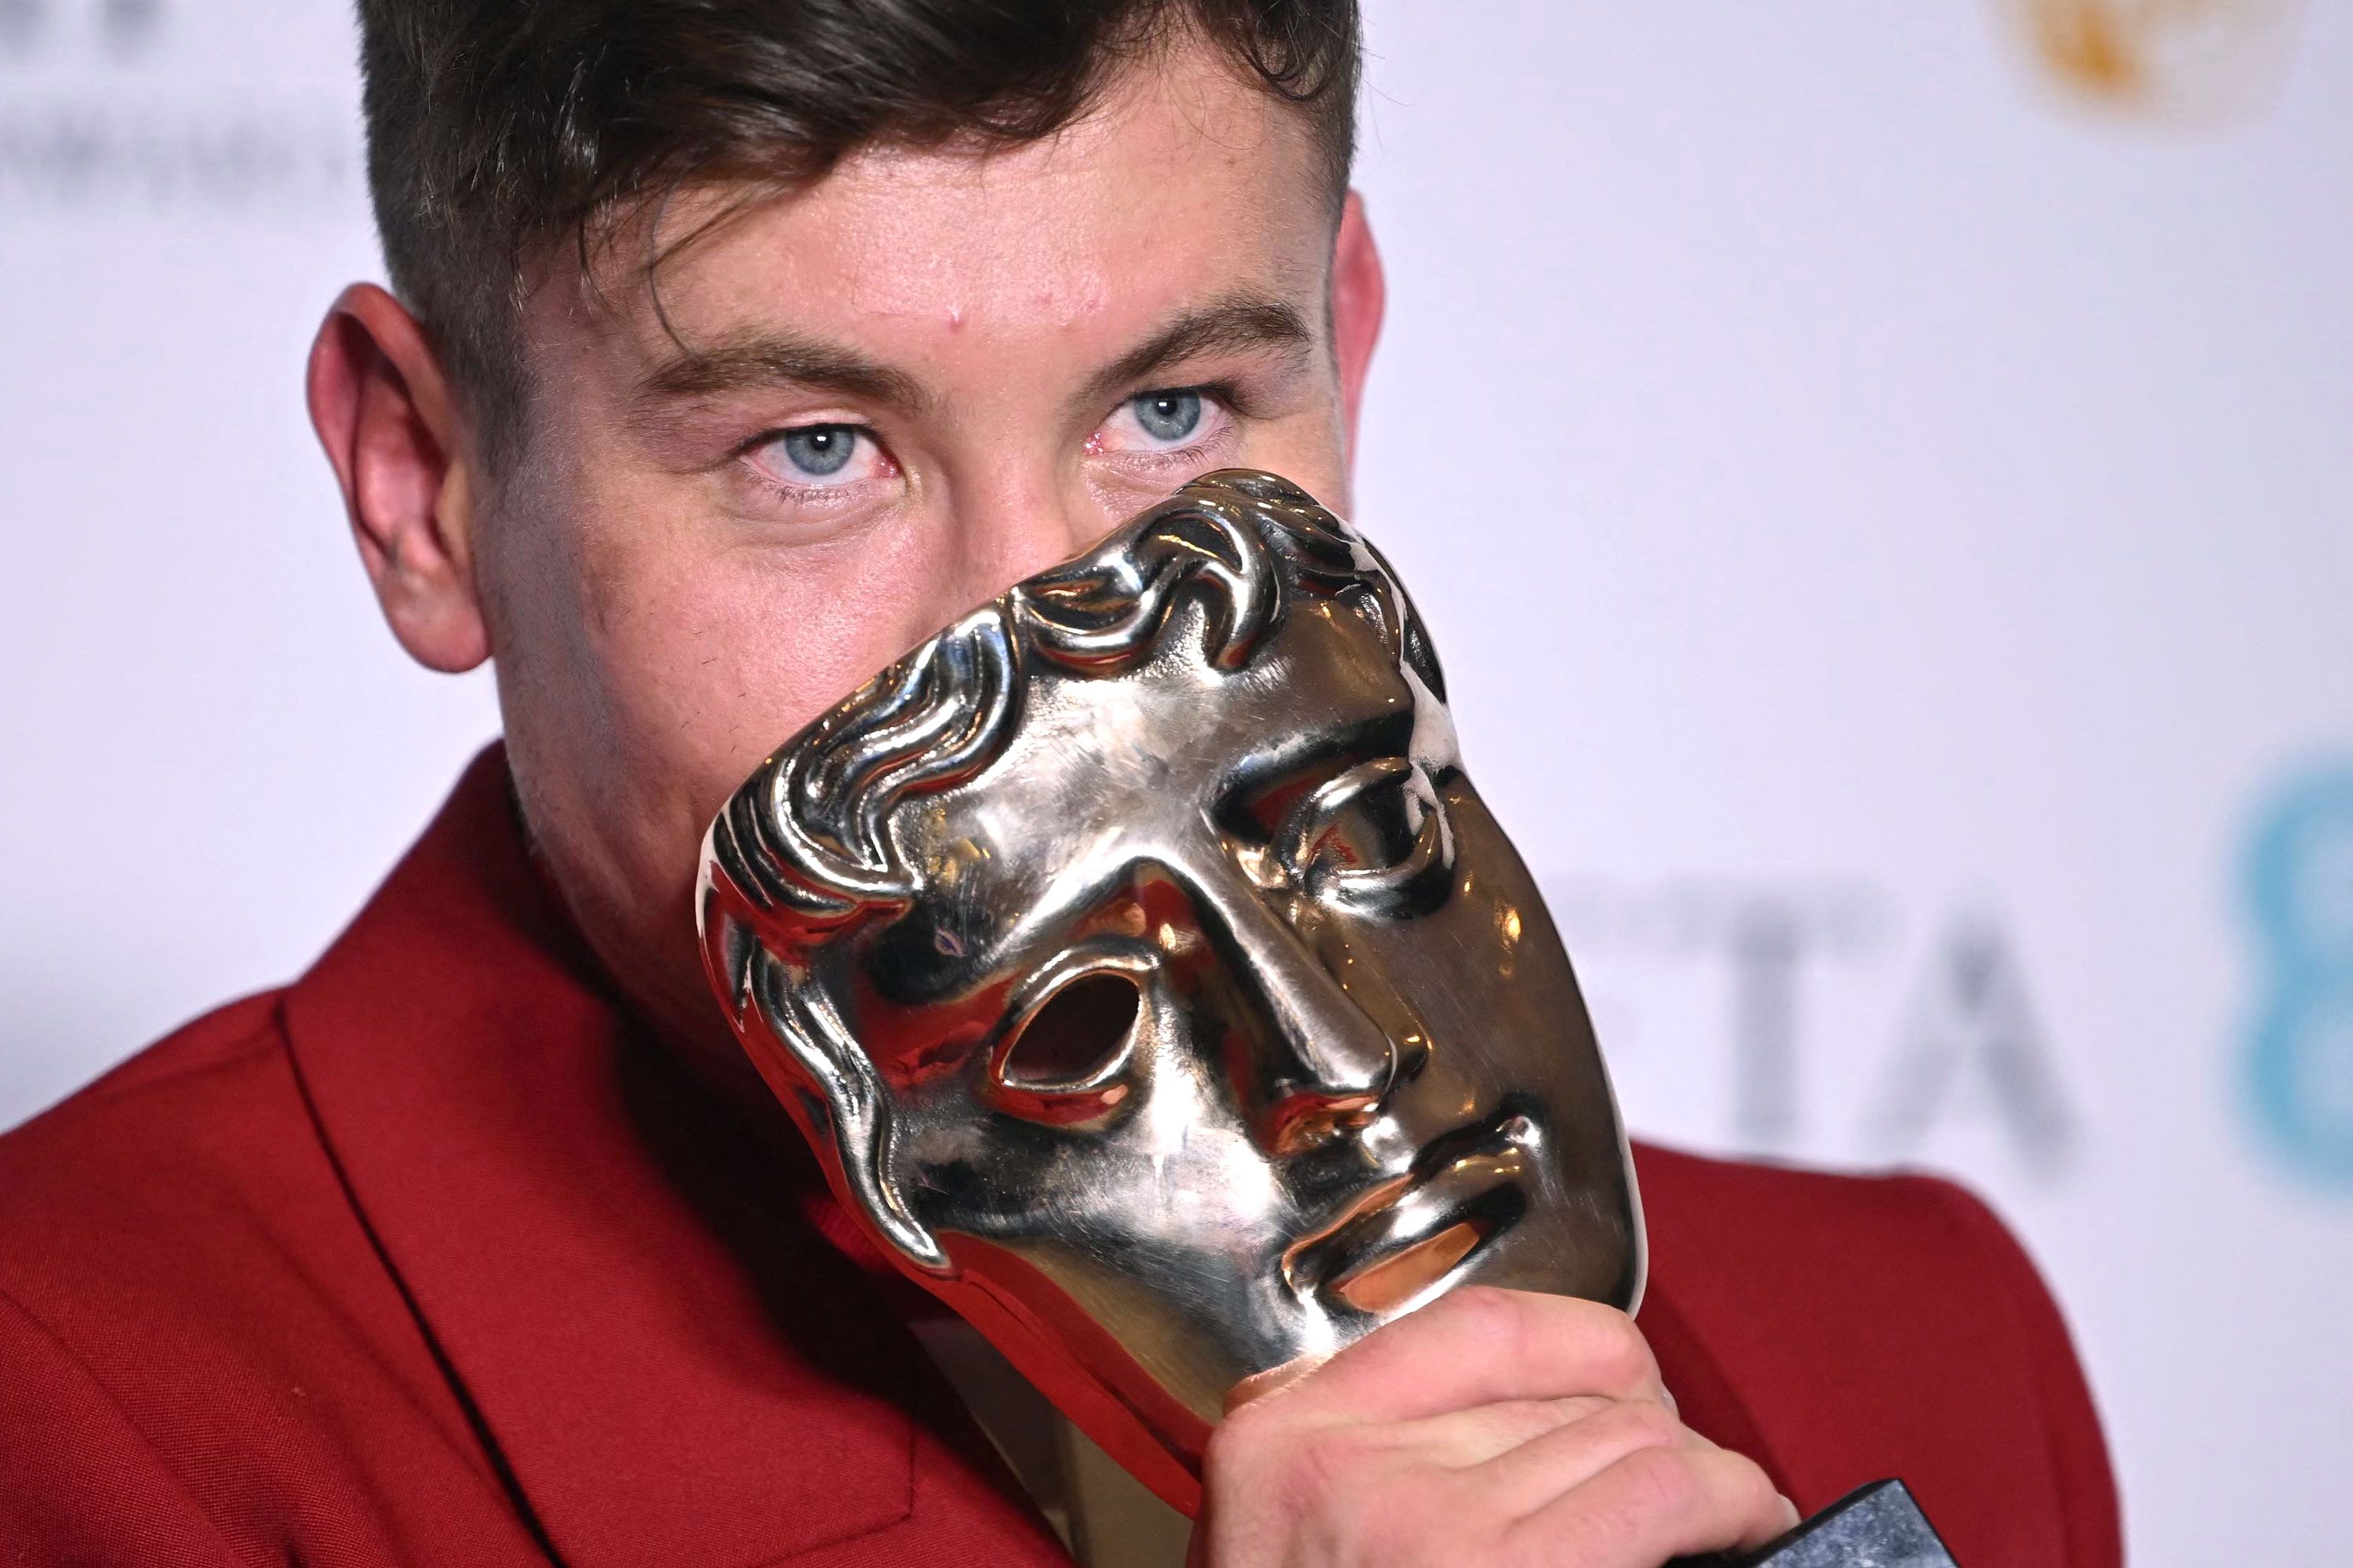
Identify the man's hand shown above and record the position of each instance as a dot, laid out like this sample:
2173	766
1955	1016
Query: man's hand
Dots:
1491	1430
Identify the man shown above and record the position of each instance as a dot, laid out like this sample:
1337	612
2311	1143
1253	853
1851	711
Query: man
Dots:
736	346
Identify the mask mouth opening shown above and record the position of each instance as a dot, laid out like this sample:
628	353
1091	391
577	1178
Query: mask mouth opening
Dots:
1379	1288
1408	1238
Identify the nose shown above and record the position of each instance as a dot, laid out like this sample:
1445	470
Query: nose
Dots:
1311	1060
1011	520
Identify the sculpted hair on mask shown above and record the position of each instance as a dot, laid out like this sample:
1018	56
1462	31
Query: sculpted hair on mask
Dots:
499	133
807	838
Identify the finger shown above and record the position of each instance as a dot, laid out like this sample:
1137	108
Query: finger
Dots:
1465	1439
1652	1505
1479	1346
1519	1481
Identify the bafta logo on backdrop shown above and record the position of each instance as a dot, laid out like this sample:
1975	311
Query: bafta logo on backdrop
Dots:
1840	1020
2170	61
2297	1064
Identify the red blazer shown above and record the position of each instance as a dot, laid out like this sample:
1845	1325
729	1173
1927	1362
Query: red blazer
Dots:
433	1258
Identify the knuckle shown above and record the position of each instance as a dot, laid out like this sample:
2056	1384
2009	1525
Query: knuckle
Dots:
1753	1490
1646	1424
1661	1481
1624	1353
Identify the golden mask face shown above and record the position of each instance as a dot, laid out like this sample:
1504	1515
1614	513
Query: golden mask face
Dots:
1155	986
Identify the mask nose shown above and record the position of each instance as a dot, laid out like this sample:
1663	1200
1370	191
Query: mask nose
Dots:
1306	1060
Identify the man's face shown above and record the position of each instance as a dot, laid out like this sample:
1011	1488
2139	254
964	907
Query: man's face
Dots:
900	390
1223	1023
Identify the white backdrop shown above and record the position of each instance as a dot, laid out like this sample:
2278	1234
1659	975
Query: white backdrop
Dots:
1886	511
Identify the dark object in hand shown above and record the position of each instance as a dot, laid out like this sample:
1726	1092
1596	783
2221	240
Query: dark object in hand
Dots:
1878	1525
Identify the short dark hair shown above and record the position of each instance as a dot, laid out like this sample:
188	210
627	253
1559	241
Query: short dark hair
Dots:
497	129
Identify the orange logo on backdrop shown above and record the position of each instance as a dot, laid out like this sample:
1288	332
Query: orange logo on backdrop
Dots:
2196	59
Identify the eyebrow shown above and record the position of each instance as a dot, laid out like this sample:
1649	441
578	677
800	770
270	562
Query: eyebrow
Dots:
1221	327
754	359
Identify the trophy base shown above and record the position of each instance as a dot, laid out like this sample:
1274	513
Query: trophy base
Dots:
1877	1526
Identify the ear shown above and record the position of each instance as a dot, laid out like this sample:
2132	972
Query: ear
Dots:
1358	295
386	413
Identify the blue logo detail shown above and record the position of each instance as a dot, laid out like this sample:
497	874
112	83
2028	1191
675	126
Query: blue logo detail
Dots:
2300	892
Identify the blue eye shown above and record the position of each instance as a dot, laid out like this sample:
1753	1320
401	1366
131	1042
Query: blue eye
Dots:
818	450
1169	416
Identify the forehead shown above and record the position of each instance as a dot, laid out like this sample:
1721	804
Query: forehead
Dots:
1181	162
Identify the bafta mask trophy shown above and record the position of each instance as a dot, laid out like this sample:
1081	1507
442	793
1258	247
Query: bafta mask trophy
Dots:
1153	983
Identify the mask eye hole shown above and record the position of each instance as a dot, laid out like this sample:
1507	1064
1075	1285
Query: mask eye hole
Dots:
1375	836
1077	1036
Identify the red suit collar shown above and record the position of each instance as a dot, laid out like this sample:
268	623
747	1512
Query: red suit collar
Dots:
656	1344
664	1355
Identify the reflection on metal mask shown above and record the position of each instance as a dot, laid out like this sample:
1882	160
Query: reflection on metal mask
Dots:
1155	986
